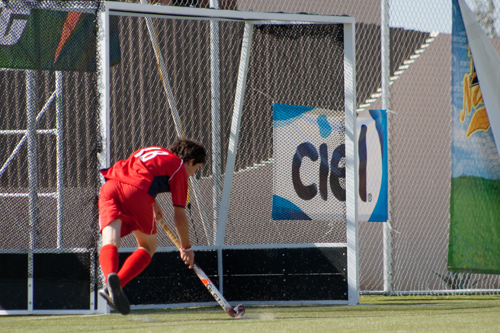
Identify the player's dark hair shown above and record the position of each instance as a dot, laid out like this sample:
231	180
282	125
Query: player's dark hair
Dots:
187	149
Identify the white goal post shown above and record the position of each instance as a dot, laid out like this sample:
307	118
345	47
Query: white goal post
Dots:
215	226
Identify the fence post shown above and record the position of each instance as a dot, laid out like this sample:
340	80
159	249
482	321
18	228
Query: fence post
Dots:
386	105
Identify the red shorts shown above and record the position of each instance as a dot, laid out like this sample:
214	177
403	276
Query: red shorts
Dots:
129	204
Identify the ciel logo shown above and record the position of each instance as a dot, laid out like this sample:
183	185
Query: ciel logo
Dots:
330	171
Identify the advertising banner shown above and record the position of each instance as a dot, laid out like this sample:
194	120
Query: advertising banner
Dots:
474	239
373	199
50	40
309	164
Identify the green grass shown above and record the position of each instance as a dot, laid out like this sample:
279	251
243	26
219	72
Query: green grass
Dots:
375	314
474	229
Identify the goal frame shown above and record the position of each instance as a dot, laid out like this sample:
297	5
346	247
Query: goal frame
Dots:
250	19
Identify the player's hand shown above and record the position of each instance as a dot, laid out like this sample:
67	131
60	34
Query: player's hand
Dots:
157	211
188	257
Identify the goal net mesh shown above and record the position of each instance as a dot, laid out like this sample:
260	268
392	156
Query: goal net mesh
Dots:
51	132
299	64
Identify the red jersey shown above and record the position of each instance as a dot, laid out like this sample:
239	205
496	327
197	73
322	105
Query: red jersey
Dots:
153	170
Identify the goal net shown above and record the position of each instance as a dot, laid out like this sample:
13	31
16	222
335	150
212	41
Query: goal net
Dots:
227	78
271	96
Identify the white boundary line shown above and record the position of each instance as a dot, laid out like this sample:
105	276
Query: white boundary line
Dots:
245	247
210	304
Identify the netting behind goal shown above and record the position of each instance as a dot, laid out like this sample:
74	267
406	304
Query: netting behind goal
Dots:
79	95
292	64
184	77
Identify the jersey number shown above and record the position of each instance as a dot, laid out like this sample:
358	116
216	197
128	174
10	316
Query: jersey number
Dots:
148	153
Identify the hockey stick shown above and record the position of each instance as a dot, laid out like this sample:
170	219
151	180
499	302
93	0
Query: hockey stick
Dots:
236	312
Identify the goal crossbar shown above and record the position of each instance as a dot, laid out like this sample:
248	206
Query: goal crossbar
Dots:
157	11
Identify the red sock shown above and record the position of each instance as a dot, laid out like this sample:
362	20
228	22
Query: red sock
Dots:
108	259
133	266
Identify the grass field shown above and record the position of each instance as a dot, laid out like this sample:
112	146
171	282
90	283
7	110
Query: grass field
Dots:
375	314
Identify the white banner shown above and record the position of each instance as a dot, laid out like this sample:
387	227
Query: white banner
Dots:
309	164
372	166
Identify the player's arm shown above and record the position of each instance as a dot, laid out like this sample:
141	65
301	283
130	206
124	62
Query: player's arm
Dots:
182	228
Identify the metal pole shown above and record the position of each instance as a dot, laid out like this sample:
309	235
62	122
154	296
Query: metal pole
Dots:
216	135
103	79
233	143
386	105
162	68
32	176
103	87
60	158
32	155
351	164
23	140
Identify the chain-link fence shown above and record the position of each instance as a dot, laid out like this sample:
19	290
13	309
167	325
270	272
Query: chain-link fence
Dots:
420	136
420	127
49	140
54	153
